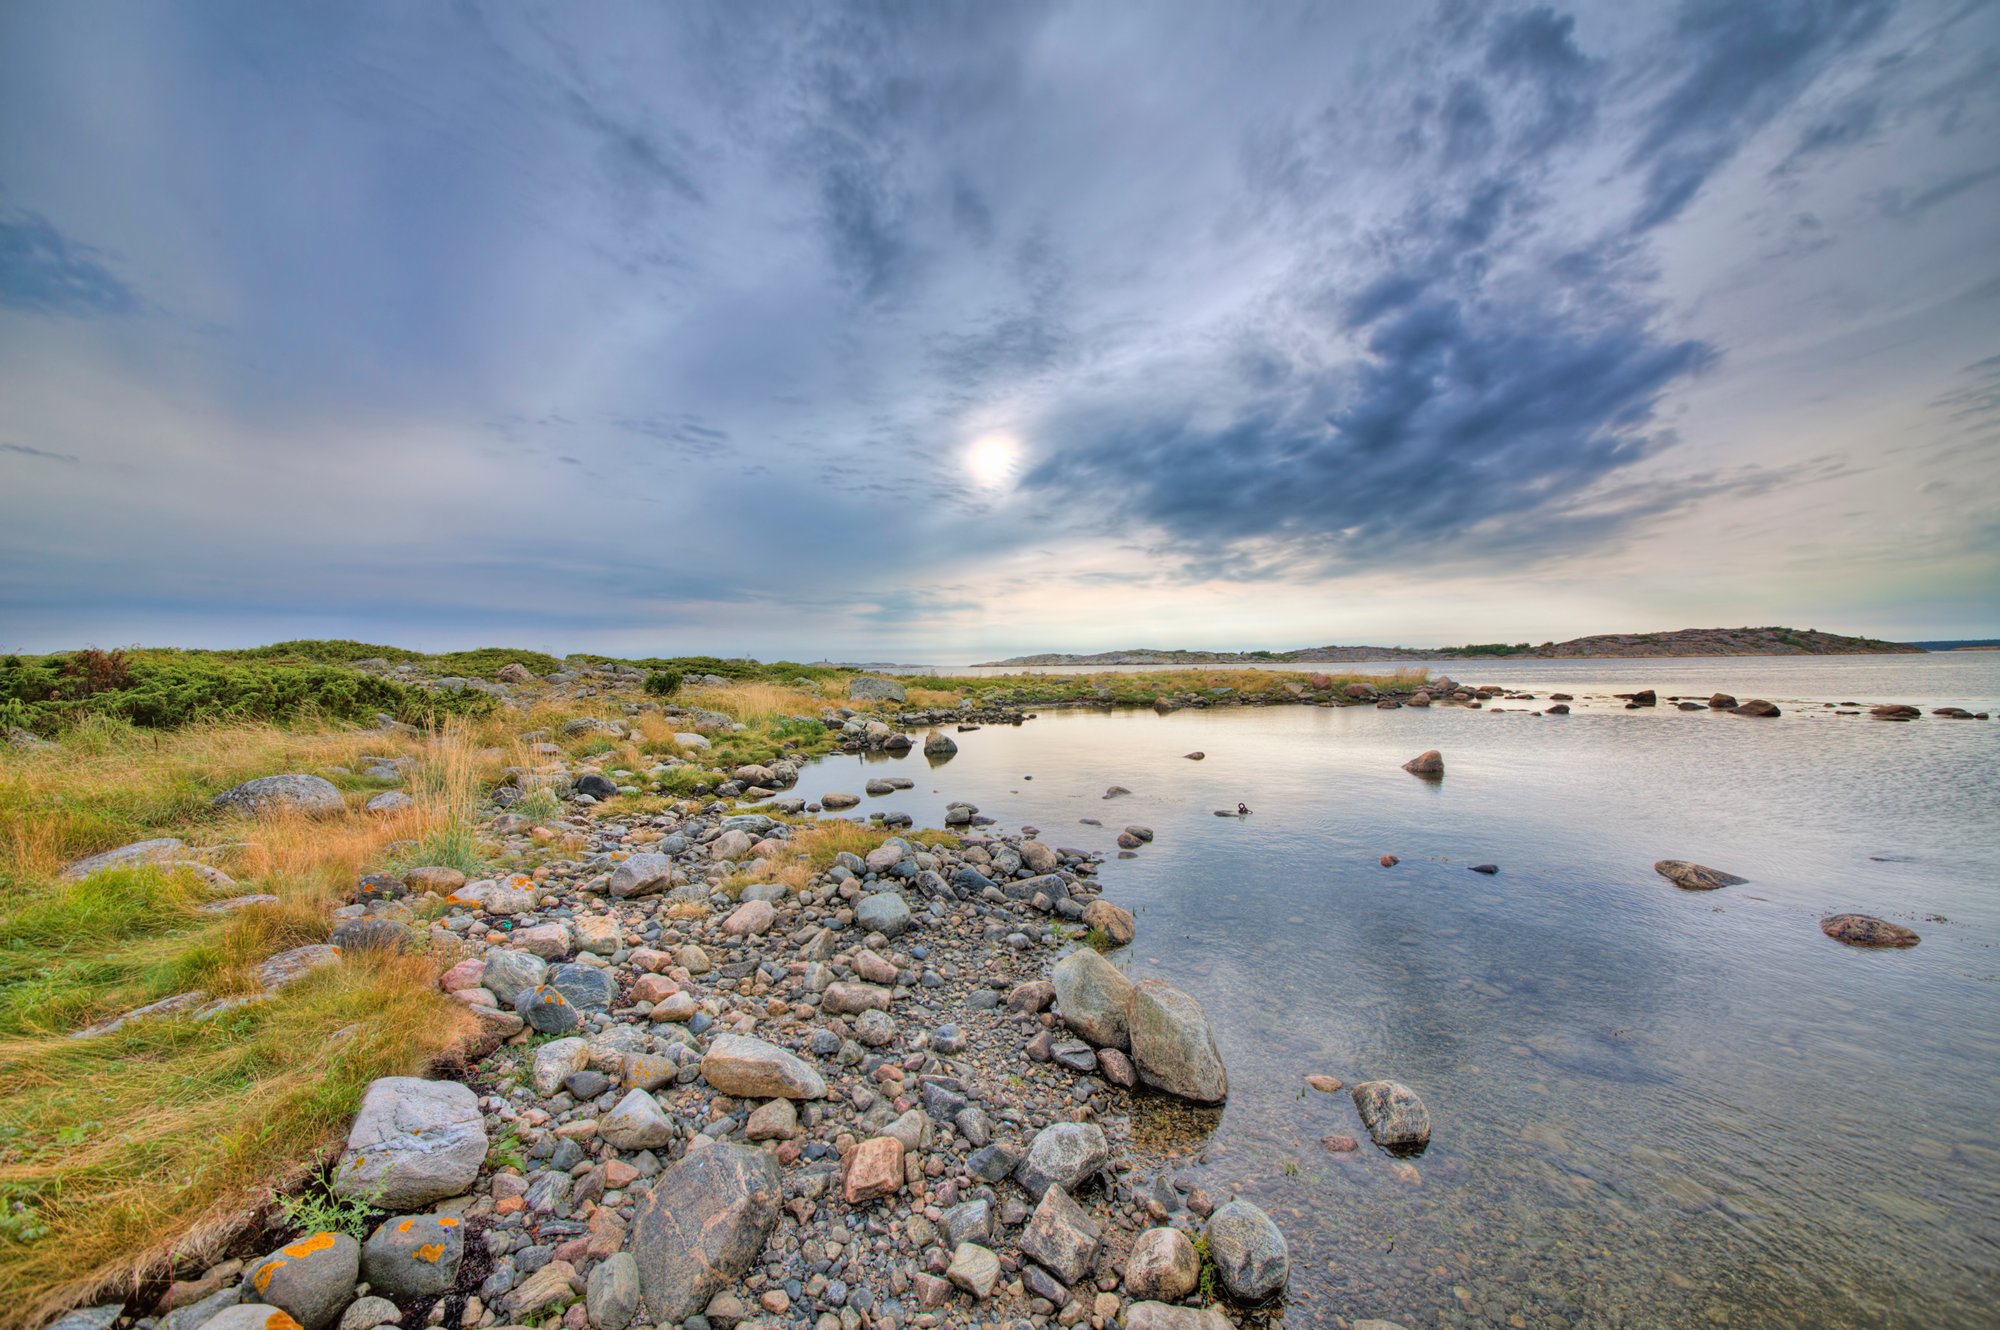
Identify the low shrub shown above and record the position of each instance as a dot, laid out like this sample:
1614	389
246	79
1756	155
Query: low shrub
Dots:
663	683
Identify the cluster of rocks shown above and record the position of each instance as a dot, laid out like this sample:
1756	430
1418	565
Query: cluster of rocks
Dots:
700	1099
1856	930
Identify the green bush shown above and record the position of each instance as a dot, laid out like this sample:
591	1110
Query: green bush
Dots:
164	689
663	683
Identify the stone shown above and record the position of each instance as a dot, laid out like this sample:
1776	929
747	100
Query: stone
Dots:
853	999
750	919
773	1120
874	1169
1695	877
1117	1068
249	1316
508	971
546	1010
641	875
1865	930
311	1280
1429	764
413	1257
1093	996
1756	706
867	688
549	941
289	967
413	1142
352	935
975	1269
939	744
434	877
1396	1118
370	1313
702	1226
1163	1266
1249	1252
1324	1084
884	912
312	796
155	851
838	800
1039	858
1061	1236
1063	1154
611	1297
547	1286
749	1068
389	801
1160	1316
587	987
636	1123
1115	922
1172	1045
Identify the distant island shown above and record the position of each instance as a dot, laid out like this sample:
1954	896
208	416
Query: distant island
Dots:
1685	642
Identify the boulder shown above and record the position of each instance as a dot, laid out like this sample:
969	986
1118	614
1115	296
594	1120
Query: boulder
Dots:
1865	930
636	1123
641	875
1695	877
413	1142
1248	1251
1895	711
702	1226
1039	858
611	1297
161	850
289	967
1395	1116
312	796
1756	706
413	1257
749	1068
1093	997
1428	764
1061	1236
866	688
1163	1266
1063	1154
509	971
311	1280
750	919
1115	922
883	912
545	1009
1172	1045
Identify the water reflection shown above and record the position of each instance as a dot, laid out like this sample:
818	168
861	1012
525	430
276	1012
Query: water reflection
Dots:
1651	1107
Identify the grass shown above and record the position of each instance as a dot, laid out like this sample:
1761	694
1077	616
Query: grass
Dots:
121	1151
814	846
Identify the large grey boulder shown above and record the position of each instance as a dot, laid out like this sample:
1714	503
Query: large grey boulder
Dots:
1093	997
510	970
1172	1045
702	1226
749	1068
416	1256
291	793
1396	1117
866	688
1163	1266
1064	1154
157	851
311	1280
884	912
1249	1252
641	875
413	1142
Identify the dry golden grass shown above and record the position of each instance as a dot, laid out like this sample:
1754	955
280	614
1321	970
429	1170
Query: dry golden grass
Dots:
930	697
121	1151
815	845
752	703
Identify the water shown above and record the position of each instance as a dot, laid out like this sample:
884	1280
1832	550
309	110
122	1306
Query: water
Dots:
1651	1107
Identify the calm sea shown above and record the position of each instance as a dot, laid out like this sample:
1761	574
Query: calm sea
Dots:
1652	1108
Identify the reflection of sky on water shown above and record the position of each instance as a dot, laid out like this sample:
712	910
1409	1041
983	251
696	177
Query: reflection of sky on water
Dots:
1648	1101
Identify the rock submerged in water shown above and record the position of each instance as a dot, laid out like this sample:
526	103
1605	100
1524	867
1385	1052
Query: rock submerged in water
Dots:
1429	765
1865	930
1172	1045
702	1226
1394	1115
1756	706
1696	877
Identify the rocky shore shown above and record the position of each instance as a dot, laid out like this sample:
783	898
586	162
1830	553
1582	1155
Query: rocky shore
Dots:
899	1093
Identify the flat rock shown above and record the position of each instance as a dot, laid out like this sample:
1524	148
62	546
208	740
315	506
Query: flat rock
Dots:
702	1226
749	1068
1695	877
412	1143
1161	1316
139	852
1865	930
312	796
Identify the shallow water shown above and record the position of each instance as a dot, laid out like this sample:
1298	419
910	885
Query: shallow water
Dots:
1650	1107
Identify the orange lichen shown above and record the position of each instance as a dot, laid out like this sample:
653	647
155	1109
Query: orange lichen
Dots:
280	1321
430	1252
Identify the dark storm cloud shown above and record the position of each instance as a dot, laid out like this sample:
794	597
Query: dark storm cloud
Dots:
42	270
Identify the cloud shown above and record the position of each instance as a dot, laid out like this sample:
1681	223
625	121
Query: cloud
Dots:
41	270
23	450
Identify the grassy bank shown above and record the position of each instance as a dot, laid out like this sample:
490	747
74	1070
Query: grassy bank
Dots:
119	1150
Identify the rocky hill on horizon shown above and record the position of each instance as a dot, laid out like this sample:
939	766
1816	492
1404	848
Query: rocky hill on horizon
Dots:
1684	642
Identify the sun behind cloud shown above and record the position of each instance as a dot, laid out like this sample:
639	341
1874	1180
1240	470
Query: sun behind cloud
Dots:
992	460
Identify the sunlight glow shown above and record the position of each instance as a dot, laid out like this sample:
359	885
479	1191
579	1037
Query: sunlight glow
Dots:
992	460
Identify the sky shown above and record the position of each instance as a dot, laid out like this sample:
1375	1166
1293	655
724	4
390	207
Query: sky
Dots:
941	331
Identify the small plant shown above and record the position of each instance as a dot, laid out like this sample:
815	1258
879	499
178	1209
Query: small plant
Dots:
538	806
507	1151
663	683
1099	940
1206	1288
318	1210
